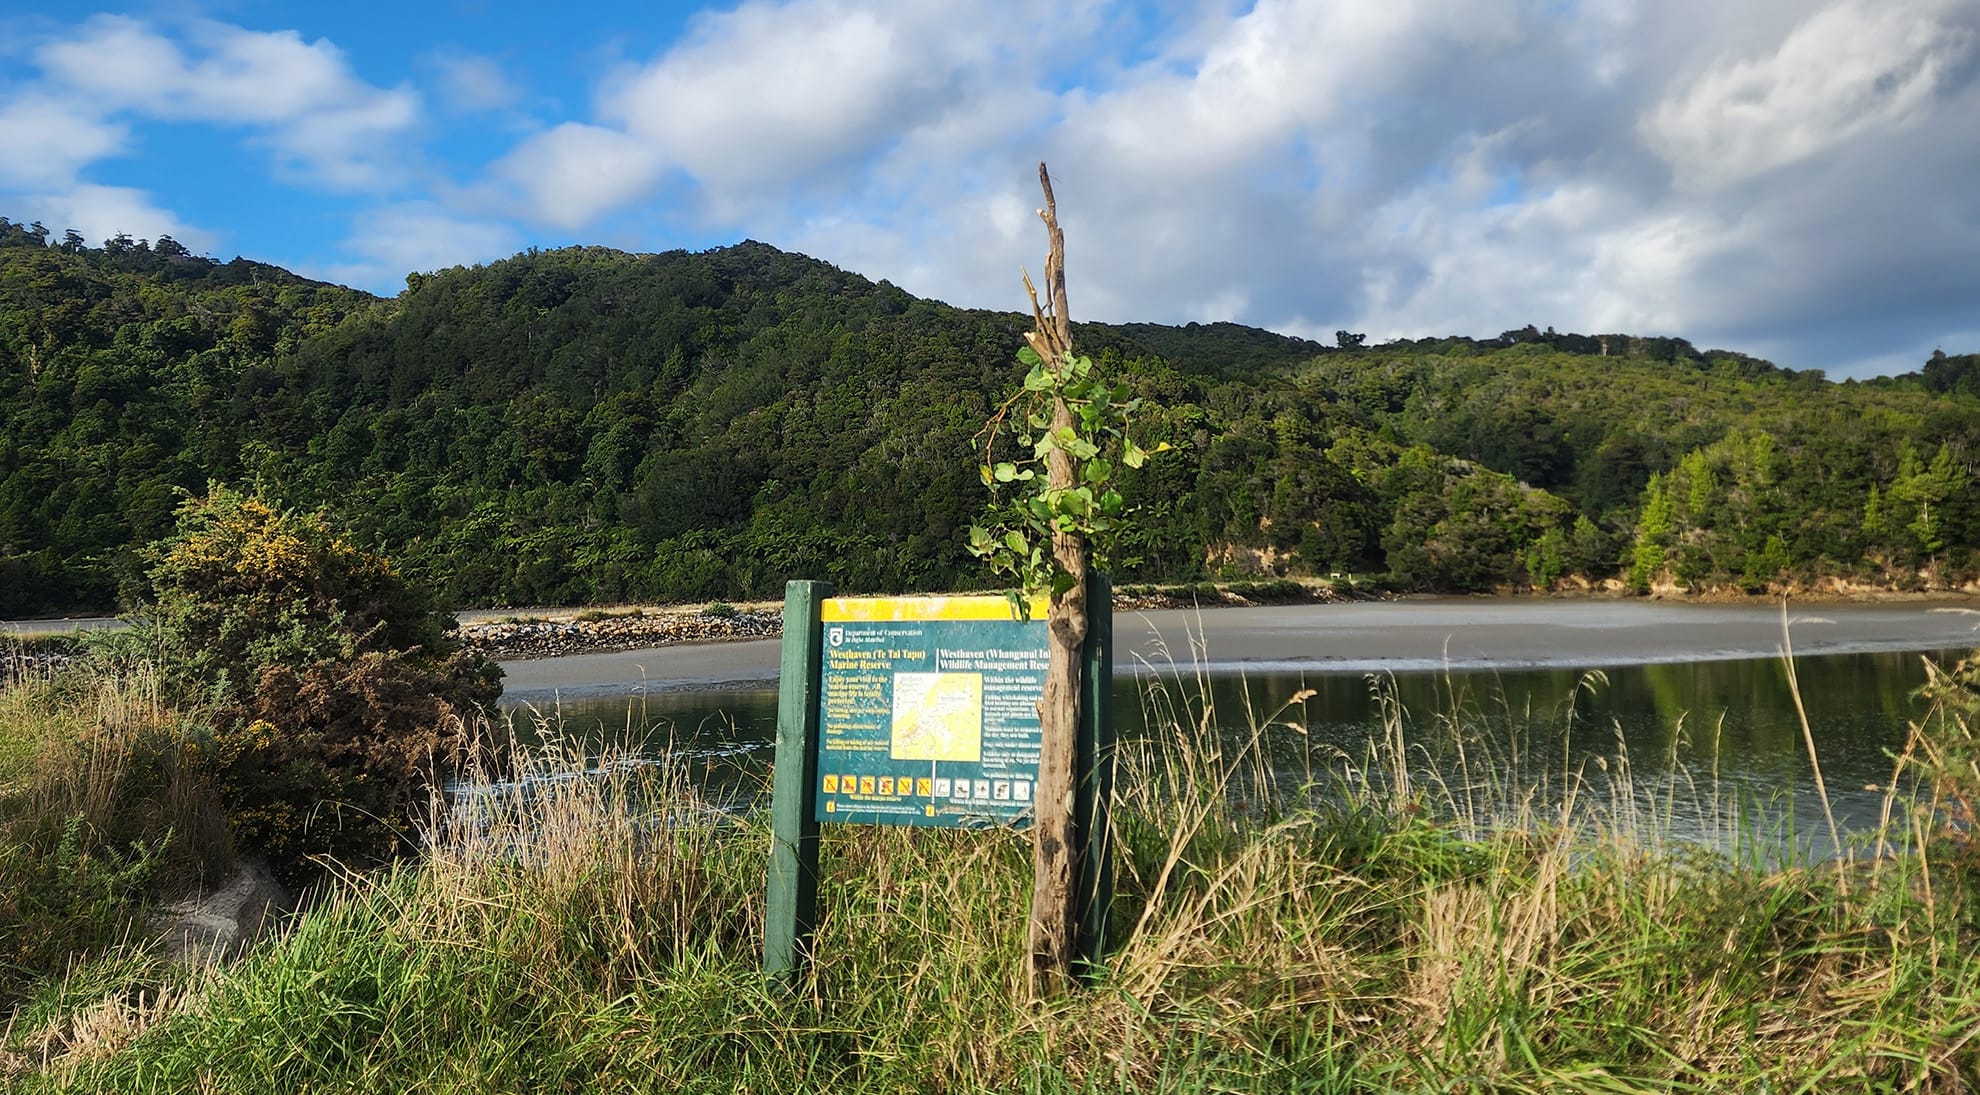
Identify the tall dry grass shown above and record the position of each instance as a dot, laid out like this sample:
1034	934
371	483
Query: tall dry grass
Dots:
106	747
585	923
105	804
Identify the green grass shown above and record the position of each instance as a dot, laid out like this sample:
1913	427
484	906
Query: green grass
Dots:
22	721
602	934
16	750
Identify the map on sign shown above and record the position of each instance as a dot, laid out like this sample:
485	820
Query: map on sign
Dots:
938	716
928	710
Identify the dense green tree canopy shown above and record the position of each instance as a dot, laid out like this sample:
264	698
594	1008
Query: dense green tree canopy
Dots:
588	425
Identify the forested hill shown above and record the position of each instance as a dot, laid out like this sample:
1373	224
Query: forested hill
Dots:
588	425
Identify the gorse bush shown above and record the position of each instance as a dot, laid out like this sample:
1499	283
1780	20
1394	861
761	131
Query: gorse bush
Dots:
240	585
333	691
287	696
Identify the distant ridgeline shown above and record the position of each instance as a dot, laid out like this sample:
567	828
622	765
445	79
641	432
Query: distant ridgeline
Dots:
586	425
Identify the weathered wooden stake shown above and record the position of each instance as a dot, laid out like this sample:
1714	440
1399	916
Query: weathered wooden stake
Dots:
1054	849
793	891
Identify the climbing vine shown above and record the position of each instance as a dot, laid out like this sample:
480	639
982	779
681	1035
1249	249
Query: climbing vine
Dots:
1026	508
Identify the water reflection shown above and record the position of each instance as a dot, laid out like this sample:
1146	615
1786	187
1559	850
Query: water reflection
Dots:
1716	748
726	739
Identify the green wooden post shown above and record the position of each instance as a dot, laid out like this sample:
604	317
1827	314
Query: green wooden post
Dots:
1093	775
793	889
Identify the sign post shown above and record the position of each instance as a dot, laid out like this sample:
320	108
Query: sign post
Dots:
1093	781
924	711
792	907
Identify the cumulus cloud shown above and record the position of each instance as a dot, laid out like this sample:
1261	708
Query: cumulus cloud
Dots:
101	212
1236	172
470	83
1850	69
571	174
769	91
387	243
326	125
778	103
49	140
1280	70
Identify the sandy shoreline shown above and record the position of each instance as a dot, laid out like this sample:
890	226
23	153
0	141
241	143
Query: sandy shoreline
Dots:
1362	637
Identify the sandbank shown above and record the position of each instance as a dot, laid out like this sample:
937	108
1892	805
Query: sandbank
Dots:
1410	635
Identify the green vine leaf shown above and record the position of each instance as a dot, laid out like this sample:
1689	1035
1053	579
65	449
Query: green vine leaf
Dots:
1026	512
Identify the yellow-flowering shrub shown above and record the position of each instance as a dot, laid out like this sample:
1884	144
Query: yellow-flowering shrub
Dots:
337	695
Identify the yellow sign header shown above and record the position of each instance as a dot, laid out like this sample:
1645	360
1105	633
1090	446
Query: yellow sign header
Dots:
973	607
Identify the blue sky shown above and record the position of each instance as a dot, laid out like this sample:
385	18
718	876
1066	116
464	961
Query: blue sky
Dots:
1791	178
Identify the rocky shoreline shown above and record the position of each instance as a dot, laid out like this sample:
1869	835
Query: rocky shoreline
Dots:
561	632
28	665
529	634
510	640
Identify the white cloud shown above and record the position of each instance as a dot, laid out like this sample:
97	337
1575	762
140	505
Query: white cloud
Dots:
389	242
1851	68
1230	175
571	174
346	147
246	76
767	92
49	140
1280	70
100	212
326	125
118	60
783	104
470	83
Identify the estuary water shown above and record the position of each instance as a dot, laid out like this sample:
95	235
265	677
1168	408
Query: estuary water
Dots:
1679	718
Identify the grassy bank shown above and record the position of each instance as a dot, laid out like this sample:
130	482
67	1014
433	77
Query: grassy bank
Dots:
105	806
601	934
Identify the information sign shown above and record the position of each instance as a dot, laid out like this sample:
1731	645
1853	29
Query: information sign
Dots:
928	711
924	711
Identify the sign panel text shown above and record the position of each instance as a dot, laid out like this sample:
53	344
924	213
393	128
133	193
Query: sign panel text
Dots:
928	711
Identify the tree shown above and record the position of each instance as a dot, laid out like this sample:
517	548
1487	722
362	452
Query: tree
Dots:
1077	426
1589	551
1874	527
1653	535
1916	502
1545	561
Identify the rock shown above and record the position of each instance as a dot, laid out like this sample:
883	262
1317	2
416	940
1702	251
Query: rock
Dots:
219	924
27	665
517	640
